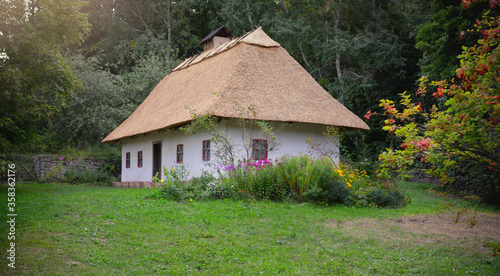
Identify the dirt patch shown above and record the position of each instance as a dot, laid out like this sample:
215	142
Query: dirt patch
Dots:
99	241
487	225
74	263
427	229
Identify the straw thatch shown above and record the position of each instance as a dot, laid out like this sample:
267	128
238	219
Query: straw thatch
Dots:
253	70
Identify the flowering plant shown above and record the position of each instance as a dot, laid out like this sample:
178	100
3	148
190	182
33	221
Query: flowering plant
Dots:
461	127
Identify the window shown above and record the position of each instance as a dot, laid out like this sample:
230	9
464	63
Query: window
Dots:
206	150
127	160
259	149
139	159
180	153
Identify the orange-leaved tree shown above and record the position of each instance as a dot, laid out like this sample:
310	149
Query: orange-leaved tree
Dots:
458	137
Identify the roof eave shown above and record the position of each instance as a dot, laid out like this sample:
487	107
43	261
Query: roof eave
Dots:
120	139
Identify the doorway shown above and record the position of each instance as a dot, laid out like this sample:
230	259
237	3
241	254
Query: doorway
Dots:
157	159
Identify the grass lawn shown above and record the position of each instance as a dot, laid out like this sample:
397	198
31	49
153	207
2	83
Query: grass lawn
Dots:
77	230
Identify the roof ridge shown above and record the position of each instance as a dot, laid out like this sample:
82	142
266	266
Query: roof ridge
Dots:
262	40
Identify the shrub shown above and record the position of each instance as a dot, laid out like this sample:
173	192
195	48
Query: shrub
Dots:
257	179
295	172
217	190
175	175
170	192
335	191
203	180
387	198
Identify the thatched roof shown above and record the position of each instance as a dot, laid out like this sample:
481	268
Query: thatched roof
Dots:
253	70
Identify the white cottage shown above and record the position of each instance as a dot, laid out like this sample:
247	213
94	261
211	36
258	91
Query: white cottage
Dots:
252	70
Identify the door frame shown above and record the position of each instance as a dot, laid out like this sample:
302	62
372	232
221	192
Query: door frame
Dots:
157	150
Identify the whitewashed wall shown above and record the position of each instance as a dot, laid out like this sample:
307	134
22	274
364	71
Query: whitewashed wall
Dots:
292	139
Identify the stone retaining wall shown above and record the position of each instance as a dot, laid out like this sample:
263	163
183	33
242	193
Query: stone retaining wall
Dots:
133	184
45	163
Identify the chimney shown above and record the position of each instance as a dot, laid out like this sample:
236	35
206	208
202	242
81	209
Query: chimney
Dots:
216	38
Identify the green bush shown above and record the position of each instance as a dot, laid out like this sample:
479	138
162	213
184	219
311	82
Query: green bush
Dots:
379	197
217	190
203	180
258	179
335	191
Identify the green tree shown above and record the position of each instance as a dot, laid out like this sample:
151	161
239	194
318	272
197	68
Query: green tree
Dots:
104	100
359	51
441	38
34	75
125	31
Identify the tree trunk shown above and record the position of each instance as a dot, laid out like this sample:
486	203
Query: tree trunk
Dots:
169	25
249	15
169	31
336	27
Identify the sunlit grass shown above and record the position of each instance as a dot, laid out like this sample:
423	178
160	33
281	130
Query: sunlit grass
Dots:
103	231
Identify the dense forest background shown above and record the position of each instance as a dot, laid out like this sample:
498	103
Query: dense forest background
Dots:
71	71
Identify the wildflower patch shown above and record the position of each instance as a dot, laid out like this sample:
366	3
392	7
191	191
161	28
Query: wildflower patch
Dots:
300	178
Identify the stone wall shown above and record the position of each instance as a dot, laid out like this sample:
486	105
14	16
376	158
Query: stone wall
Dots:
141	184
42	164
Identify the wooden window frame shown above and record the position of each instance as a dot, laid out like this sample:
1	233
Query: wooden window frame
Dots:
253	148
127	160
206	151
140	159
181	159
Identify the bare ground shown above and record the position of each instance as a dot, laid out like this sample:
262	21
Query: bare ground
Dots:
428	229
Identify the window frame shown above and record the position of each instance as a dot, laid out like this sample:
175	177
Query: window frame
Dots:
181	152
127	160
140	159
206	151
253	148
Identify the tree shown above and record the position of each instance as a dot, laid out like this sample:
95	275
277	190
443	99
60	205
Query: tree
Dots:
34	76
458	138
440	39
124	30
104	100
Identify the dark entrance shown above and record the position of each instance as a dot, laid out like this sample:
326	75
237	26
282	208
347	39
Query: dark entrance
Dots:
157	159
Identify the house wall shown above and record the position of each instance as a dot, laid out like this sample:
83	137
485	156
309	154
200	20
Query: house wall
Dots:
291	139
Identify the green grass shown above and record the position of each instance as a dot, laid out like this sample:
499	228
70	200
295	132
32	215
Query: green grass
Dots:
75	230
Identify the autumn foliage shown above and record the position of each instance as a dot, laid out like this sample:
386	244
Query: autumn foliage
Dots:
459	126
